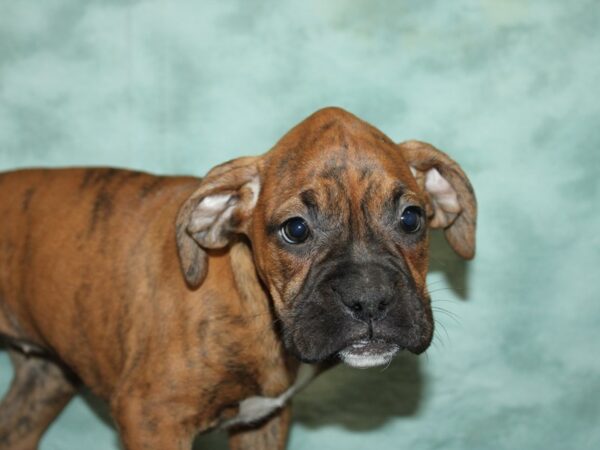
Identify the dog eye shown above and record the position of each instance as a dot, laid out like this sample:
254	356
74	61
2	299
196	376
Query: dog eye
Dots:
411	219
295	230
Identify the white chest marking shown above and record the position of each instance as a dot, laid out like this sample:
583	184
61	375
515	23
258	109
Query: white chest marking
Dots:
257	408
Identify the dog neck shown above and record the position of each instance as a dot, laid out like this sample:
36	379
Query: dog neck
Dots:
256	304
254	297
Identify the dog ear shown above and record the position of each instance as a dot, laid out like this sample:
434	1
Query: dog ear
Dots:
220	208
451	200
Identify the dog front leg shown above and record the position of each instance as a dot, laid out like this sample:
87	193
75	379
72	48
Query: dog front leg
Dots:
270	435
39	391
145	425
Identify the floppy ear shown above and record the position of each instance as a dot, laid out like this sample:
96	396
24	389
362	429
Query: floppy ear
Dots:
220	208
451	200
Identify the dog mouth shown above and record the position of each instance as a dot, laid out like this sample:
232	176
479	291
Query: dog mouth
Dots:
368	353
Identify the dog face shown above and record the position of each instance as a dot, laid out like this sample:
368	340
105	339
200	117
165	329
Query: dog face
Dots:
338	216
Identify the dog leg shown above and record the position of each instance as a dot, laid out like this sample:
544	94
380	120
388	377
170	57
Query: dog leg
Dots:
40	389
145	424
271	435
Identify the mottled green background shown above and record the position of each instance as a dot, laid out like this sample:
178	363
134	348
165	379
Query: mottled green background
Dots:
509	88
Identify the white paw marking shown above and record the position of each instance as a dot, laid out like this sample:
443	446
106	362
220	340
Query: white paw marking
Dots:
254	409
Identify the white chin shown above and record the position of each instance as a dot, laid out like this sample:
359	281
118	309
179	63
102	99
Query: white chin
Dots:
364	354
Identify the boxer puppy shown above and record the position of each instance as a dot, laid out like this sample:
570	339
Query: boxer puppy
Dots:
189	304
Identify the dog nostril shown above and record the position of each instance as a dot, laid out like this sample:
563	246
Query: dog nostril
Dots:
356	306
382	305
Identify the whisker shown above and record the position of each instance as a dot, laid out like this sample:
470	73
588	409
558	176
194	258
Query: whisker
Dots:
435	282
441	324
455	317
441	289
442	300
387	365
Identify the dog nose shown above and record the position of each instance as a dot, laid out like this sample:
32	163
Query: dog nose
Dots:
368	305
369	308
368	292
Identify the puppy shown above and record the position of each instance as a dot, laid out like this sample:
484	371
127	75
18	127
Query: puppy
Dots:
189	304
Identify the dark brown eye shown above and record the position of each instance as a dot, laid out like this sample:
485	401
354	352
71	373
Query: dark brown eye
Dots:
411	219
295	230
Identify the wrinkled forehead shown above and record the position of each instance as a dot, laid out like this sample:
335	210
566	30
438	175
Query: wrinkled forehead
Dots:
334	148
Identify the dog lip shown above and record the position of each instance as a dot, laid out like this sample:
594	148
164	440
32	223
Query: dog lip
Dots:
368	353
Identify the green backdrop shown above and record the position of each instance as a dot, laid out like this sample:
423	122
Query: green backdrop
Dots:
509	88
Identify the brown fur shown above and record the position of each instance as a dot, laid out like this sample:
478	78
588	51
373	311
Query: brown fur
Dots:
91	265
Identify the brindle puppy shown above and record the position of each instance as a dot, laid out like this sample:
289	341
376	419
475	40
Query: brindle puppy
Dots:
189	304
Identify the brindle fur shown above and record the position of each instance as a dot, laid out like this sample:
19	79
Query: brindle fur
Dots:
91	265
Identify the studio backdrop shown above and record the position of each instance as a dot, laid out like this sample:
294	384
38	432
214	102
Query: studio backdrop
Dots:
509	88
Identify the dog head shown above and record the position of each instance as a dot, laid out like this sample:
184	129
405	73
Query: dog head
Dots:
338	217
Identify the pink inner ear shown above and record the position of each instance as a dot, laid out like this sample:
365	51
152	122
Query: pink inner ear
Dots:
441	192
209	221
209	210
